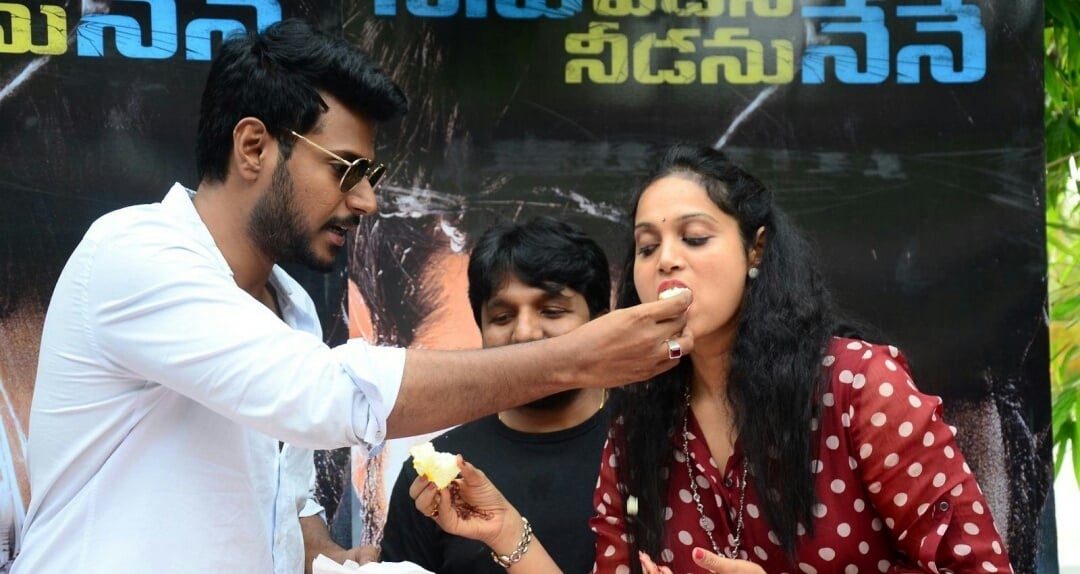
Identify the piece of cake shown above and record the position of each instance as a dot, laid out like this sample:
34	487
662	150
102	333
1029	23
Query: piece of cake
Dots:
438	467
671	292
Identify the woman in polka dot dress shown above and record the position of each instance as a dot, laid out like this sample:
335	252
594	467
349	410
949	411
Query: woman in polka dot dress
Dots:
779	443
785	444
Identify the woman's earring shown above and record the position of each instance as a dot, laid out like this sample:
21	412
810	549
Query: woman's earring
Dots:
753	273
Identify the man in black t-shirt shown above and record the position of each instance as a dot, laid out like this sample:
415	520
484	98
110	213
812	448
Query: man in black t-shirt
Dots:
526	282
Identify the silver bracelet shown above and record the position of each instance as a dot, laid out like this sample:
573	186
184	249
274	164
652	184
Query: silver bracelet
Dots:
508	560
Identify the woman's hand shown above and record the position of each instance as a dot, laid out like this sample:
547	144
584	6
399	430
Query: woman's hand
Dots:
722	565
707	560
650	567
477	510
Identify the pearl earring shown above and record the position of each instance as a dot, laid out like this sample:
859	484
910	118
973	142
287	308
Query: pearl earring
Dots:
753	273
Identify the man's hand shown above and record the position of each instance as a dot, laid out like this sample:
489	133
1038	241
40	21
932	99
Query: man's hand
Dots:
361	554
626	345
440	389
317	541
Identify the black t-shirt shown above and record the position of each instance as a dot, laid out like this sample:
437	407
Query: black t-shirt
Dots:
548	477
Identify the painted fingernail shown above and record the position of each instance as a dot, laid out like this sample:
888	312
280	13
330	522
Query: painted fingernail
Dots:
699	554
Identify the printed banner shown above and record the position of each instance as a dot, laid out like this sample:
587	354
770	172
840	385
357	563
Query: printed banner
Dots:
904	136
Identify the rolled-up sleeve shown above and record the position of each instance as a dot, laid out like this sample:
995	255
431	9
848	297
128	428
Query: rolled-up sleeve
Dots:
377	373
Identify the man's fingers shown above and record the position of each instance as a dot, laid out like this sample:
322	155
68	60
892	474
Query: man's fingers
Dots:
628	345
669	309
365	554
678	346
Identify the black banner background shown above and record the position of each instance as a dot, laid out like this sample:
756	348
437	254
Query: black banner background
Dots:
924	199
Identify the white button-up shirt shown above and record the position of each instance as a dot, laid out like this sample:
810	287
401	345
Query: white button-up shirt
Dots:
162	392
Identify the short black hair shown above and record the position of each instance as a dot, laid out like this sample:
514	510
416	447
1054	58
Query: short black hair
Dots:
545	253
275	76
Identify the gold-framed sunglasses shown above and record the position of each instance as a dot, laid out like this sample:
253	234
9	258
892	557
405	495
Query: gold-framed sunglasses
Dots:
355	170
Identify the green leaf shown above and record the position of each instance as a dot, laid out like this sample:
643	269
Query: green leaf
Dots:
1062	416
1064	309
1059	457
1061	121
1058	11
1061	439
1076	451
1063	227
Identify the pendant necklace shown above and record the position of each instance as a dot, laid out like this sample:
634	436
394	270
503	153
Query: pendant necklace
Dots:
705	522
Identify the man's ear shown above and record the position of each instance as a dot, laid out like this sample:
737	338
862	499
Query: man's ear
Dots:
758	249
252	144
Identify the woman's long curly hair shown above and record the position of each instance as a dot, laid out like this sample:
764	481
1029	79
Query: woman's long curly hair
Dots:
775	380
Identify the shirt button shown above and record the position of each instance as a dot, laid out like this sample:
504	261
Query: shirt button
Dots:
943	506
728	482
378	435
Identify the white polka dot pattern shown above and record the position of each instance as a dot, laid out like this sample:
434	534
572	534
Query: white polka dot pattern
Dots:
893	491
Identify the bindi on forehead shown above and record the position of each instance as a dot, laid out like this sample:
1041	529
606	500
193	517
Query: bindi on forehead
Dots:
686	217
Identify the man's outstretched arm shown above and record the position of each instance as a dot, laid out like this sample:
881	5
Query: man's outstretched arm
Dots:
440	389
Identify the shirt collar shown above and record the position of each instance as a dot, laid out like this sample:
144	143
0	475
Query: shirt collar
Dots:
178	203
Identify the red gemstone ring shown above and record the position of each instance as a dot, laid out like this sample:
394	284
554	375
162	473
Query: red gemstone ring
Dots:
674	350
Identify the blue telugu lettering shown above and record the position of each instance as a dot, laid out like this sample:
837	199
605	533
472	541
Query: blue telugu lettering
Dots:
90	35
948	16
963	20
198	32
870	24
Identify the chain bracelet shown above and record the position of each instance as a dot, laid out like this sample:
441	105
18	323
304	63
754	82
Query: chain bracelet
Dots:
508	560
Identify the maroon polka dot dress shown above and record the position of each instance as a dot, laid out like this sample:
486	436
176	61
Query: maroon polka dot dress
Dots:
894	493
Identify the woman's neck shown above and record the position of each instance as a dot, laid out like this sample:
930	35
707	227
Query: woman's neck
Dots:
709	395
712	363
711	407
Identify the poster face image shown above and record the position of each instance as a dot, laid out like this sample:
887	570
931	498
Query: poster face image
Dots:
904	137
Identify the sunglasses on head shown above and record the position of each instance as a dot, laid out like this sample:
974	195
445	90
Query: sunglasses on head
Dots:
355	170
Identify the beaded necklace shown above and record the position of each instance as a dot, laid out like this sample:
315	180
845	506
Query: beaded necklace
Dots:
705	522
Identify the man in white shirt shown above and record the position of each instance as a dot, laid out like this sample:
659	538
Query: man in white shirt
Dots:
176	355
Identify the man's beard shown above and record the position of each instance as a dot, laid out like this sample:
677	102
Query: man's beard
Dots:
554	402
276	228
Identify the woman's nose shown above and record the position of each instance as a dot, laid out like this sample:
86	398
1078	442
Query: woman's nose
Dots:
670	257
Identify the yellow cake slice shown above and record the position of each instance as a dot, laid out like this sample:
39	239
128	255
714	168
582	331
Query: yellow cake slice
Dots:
438	467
